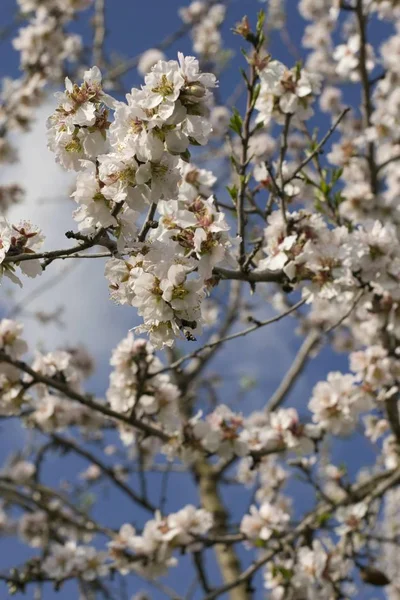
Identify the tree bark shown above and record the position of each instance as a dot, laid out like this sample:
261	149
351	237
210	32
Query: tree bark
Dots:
226	556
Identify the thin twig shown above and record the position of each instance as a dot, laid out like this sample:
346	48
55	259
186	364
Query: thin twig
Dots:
99	25
319	146
107	471
294	371
245	140
149	222
233	336
366	90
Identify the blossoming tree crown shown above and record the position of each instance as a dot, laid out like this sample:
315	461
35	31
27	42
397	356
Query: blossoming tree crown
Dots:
206	209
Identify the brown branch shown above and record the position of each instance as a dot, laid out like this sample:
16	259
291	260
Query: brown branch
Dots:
387	162
107	471
99	26
294	371
147	428
366	91
244	161
149	223
227	558
392	413
265	276
282	154
303	355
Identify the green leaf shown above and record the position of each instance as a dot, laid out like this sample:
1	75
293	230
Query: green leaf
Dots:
86	501
244	75
260	21
324	518
236	122
336	175
298	67
233	192
256	93
185	156
247	382
234	163
279	570
325	187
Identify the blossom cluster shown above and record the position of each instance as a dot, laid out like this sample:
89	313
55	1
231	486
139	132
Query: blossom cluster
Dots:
44	45
206	19
149	552
23	238
228	434
137	388
315	571
47	409
335	260
161	536
337	403
140	159
285	93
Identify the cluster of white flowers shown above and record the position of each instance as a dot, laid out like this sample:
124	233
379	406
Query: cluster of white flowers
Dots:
133	162
69	559
285	92
44	43
351	518
11	341
269	473
314	572
264	522
11	389
23	238
335	260
347	57
276	14
318	35
376	371
152	552
77	130
334	238
33	528
17	99
48	410
386	9
206	19
228	434
20	471
136	388
281	429
219	433
54	521
51	411
337	402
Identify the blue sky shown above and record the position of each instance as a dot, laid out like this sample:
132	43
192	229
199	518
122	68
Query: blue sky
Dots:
132	27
